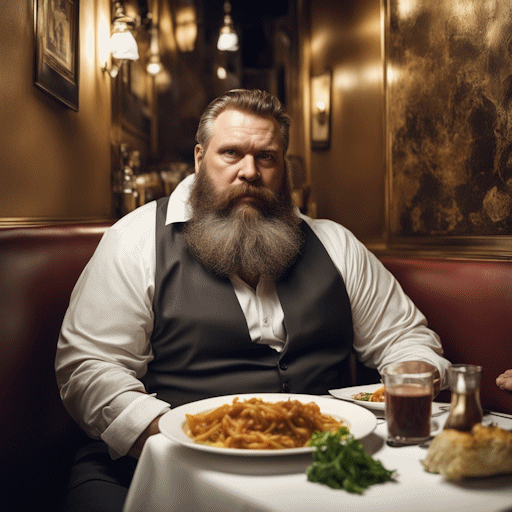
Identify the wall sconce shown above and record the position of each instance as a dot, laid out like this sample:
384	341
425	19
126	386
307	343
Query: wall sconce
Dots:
154	65
321	110
122	42
186	28
228	38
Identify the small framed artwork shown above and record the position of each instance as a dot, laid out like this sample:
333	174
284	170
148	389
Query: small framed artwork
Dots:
56	49
321	111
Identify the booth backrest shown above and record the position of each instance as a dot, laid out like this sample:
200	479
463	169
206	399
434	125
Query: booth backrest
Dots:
469	304
39	267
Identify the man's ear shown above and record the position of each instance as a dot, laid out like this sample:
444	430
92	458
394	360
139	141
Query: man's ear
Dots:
198	156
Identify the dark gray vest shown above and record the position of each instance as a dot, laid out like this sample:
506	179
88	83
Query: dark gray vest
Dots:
201	342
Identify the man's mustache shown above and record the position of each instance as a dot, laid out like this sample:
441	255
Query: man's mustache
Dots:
265	195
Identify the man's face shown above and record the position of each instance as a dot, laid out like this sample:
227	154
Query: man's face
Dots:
244	148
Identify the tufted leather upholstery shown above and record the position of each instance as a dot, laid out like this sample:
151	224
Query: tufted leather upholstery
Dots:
469	304
38	269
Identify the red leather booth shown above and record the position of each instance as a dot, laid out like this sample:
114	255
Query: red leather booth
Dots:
469	303
38	269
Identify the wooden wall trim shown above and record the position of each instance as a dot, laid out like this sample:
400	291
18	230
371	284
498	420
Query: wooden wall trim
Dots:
29	222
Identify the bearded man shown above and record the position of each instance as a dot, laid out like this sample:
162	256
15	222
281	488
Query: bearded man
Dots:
222	288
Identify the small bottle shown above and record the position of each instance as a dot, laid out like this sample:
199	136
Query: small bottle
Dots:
129	192
465	407
134	162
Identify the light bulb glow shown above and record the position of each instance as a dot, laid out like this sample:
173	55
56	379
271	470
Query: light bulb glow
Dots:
228	41
154	65
228	38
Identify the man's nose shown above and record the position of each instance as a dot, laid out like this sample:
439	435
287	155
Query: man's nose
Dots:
248	170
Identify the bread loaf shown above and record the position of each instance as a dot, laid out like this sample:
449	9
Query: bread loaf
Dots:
485	451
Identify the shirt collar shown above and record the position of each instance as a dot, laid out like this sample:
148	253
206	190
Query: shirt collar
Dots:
178	209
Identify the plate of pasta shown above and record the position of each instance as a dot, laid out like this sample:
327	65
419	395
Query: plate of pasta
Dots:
262	424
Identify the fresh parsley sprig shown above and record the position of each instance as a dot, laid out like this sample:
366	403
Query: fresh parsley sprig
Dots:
341	462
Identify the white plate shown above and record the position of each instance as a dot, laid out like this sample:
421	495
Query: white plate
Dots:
348	393
359	421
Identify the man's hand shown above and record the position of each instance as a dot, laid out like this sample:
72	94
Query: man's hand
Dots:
151	430
419	367
504	381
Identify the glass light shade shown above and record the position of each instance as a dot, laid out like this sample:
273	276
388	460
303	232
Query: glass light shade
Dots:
123	45
228	39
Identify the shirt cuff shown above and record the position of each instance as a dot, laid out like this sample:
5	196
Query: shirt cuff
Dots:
129	424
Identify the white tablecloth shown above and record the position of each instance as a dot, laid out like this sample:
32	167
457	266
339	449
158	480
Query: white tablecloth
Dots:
174	478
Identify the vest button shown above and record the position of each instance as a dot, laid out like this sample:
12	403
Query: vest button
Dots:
286	386
283	366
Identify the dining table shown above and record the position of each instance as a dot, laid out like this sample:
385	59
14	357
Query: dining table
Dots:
175	477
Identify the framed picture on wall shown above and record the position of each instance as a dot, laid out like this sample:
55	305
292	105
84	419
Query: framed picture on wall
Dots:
321	111
56	49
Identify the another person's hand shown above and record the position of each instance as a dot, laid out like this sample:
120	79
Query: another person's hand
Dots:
504	381
151	430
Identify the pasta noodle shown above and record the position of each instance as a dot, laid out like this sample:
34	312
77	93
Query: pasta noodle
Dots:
255	424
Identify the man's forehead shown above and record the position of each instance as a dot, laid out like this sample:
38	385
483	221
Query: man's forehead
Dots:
239	124
239	117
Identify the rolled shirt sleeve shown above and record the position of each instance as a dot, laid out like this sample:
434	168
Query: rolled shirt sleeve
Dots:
127	416
104	345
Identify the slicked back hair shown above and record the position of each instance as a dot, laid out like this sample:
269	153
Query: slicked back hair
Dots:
253	101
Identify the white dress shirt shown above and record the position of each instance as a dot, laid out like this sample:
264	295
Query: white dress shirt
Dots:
104	345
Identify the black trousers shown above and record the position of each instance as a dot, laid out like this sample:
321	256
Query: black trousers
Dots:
98	483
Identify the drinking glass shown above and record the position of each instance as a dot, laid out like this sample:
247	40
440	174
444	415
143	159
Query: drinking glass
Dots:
408	405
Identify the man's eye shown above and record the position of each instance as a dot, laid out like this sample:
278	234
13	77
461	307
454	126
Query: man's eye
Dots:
230	152
265	156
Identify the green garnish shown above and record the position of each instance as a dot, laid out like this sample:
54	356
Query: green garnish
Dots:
341	462
365	397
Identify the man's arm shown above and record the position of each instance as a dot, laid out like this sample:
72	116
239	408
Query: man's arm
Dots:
151	430
388	327
104	348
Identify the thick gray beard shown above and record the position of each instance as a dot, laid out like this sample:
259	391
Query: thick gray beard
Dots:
261	239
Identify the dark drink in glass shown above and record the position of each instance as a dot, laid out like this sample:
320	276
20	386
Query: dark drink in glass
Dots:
408	403
408	411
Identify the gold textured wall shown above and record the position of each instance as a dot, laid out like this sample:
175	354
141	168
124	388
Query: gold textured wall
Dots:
450	125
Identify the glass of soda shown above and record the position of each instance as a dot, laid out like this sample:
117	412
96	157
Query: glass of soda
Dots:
408	404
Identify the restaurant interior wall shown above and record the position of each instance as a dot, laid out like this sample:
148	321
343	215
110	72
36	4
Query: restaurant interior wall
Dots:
54	162
348	177
267	58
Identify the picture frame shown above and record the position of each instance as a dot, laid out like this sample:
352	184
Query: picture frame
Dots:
320	110
56	48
